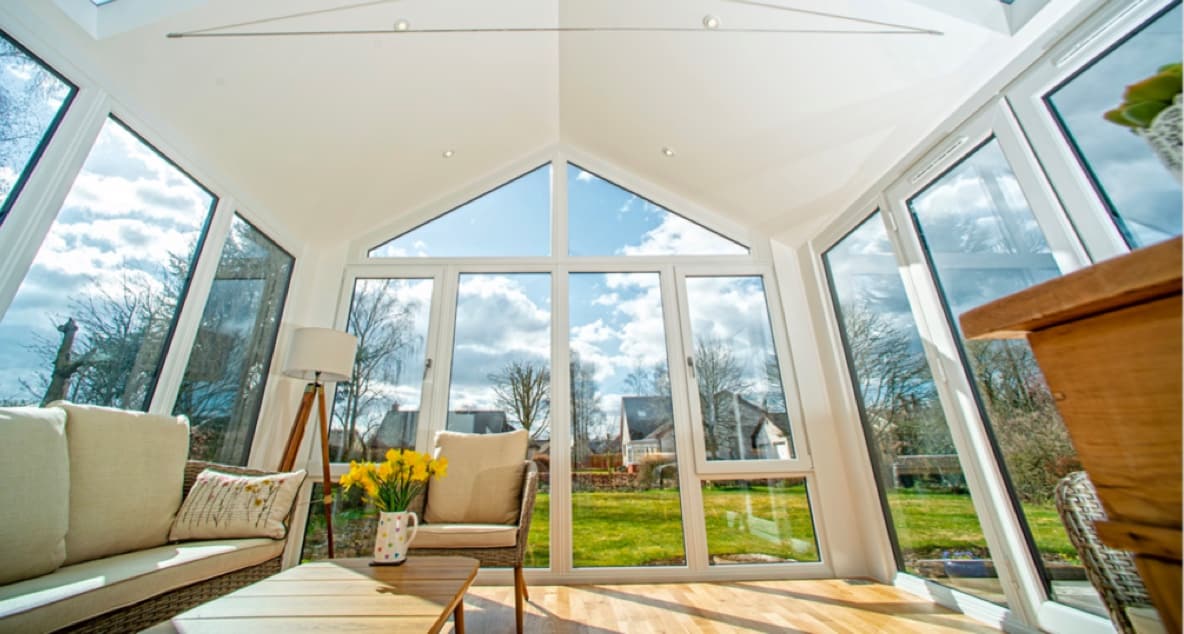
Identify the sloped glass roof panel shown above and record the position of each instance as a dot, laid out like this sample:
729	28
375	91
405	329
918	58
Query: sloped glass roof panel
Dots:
606	219
512	220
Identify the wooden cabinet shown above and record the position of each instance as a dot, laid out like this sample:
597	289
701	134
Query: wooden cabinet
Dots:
1108	341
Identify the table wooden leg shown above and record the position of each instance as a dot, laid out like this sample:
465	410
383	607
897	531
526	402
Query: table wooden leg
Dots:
458	617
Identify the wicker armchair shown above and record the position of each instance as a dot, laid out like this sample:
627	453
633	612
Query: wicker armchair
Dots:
145	614
1111	571
508	557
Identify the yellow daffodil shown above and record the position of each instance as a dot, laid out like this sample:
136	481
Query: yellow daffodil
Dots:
392	485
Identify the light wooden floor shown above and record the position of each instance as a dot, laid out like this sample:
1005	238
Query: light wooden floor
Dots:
749	606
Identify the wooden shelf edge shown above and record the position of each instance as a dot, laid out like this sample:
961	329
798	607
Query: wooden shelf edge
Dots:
1138	276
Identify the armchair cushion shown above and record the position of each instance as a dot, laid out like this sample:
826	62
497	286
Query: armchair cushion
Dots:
484	482
465	536
34	502
126	472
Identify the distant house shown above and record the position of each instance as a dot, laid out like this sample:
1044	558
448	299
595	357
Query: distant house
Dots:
647	427
478	422
397	431
742	430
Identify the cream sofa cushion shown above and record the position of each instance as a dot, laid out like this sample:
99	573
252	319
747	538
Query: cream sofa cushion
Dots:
126	474
76	593
221	505
465	536
484	478
34	497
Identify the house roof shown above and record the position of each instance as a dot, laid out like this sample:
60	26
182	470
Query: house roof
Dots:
771	130
645	415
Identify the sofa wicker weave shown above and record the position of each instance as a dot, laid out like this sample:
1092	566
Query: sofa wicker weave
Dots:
506	557
1111	571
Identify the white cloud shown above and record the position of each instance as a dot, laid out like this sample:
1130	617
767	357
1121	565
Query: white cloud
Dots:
585	177
677	235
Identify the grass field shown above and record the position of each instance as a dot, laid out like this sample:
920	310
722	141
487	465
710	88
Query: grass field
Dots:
642	528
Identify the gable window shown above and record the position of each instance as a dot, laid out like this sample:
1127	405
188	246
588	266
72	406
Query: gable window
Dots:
586	355
605	219
32	101
223	385
94	315
512	220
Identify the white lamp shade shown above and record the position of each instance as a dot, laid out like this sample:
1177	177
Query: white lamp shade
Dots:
324	350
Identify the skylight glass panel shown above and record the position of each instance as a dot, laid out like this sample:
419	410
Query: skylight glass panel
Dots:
605	219
512	220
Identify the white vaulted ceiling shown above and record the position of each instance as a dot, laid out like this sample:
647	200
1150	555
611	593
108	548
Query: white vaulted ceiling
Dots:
772	130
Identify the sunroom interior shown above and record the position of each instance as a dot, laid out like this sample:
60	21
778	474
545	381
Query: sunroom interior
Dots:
709	254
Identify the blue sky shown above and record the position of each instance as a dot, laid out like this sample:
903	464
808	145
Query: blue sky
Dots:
126	212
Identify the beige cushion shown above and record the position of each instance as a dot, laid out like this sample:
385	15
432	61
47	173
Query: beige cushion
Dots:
82	591
465	536
484	478
35	494
222	505
126	473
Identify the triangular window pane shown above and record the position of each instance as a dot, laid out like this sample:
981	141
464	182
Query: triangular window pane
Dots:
512	220
605	219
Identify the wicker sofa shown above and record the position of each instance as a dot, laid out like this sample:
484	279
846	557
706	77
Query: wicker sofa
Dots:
85	523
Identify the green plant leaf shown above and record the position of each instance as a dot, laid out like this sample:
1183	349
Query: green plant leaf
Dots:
1171	69
1143	113
1160	87
1116	116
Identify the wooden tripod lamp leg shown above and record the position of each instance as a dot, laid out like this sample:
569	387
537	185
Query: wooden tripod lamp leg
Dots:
296	436
327	485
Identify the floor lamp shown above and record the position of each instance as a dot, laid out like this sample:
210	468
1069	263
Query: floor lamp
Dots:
317	355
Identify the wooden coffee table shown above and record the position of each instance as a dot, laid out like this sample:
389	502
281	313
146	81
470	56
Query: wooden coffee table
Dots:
341	595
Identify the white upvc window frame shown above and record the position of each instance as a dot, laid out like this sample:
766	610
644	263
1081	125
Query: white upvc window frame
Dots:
1092	39
801	463
1018	572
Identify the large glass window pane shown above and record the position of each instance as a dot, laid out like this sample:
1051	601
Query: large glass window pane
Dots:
93	317
931	516
736	370
1142	195
759	521
605	219
512	220
32	101
983	242
223	386
625	496
379	408
501	372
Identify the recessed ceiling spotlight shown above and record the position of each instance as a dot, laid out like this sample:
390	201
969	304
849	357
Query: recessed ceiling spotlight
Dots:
447	153
667	151
710	22
402	25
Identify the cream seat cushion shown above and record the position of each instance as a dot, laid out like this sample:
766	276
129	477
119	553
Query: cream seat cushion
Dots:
465	536
34	498
126	474
76	593
484	478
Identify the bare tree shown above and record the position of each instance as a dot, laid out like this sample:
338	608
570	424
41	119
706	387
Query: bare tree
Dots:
523	389
585	407
651	381
384	326
721	378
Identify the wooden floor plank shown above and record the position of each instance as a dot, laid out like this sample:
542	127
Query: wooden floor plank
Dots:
817	606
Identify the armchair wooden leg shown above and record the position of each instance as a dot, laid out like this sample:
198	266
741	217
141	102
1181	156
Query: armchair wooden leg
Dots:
519	597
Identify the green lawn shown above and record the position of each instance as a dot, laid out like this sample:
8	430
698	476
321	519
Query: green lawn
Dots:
641	528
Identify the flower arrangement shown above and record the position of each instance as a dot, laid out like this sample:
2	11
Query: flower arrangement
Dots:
391	485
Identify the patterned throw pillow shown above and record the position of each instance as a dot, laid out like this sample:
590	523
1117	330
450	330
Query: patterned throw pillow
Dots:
223	506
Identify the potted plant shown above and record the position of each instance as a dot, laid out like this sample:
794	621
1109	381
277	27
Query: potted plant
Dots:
1151	109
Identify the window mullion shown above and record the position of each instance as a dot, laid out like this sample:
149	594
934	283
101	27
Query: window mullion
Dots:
176	359
35	209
